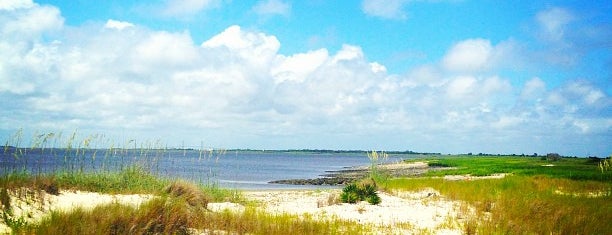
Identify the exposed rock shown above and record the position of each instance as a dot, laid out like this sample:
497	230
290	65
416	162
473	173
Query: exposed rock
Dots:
352	174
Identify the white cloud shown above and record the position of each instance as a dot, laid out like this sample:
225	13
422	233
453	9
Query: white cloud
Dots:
178	8
118	25
378	68
164	50
236	88
31	22
468	55
461	87
553	23
15	4
272	7
579	94
566	37
533	89
477	55
387	9
256	49
348	53
298	66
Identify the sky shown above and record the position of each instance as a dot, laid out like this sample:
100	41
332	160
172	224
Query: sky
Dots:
449	76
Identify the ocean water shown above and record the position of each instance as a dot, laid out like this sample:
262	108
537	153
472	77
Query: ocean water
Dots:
229	169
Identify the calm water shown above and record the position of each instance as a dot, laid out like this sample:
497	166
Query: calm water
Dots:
231	169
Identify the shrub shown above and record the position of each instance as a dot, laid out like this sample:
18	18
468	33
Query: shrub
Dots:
350	194
373	199
365	190
552	157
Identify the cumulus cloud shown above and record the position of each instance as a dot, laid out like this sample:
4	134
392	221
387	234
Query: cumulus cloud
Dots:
468	55
119	25
298	66
237	88
477	55
272	7
30	21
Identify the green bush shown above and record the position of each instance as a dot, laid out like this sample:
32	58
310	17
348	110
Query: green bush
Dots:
373	199
354	193
350	194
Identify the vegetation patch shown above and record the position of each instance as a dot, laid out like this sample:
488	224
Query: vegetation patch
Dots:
363	191
571	197
568	168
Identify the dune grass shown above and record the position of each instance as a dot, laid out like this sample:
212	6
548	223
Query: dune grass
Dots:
130	180
181	208
169	215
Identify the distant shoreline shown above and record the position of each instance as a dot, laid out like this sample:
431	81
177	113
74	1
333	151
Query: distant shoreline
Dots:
352	174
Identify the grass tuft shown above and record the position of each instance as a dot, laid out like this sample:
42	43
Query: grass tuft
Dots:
193	195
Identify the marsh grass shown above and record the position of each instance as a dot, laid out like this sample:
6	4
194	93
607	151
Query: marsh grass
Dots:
568	168
525	204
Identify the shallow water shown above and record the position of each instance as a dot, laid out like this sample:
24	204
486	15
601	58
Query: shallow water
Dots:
228	169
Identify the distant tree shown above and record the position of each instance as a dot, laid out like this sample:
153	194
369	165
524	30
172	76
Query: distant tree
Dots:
553	157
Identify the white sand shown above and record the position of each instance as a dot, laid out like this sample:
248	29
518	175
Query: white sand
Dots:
399	212
32	206
406	213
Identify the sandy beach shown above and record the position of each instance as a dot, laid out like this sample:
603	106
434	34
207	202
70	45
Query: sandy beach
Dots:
33	205
399	212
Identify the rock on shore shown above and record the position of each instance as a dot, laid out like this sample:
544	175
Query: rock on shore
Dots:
349	175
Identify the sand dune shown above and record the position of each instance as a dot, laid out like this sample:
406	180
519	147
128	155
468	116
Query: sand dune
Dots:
399	212
402	212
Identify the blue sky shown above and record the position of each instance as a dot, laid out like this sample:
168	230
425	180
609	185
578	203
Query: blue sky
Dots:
450	76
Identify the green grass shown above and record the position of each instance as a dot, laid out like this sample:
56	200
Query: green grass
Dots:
130	180
572	197
527	204
568	168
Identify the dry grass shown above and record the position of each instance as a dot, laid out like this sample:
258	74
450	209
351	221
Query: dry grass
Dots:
175	216
193	195
158	216
181	209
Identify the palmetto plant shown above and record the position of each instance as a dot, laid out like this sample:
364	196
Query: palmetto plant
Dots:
354	193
